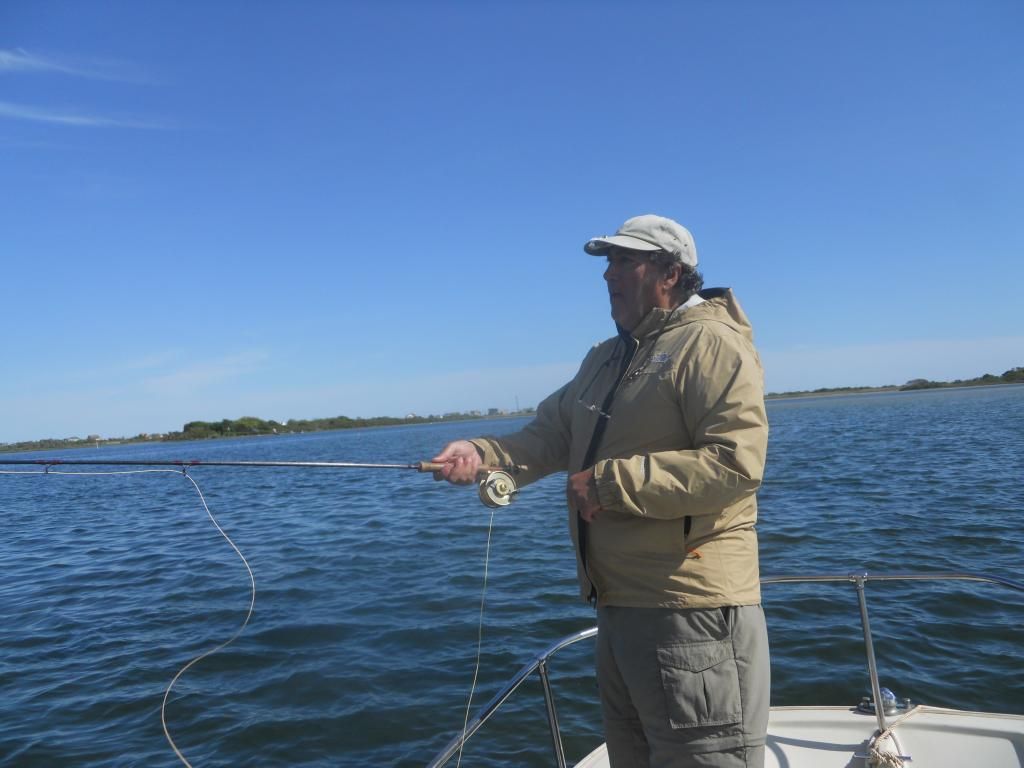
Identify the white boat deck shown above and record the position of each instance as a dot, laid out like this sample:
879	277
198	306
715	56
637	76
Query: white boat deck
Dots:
830	736
839	737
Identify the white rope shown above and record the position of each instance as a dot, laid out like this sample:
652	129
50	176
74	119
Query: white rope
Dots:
252	580
479	639
879	759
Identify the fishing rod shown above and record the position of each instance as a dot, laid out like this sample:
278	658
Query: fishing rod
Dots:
495	488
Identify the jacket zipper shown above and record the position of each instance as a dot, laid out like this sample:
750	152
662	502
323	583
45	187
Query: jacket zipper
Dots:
588	460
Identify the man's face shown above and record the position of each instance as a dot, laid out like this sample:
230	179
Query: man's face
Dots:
635	286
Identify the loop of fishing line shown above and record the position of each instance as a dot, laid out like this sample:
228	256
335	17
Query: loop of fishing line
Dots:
48	470
496	488
479	637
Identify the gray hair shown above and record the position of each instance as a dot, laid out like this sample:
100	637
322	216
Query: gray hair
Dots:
690	279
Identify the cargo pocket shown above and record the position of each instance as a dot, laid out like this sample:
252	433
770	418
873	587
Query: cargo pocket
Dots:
702	688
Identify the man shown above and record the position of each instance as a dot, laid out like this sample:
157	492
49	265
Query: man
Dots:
663	432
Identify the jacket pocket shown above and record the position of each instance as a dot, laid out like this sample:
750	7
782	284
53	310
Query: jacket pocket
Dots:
701	684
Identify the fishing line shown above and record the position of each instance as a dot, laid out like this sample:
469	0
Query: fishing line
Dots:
226	643
479	638
496	488
252	580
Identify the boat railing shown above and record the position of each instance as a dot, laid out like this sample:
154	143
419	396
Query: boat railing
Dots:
540	663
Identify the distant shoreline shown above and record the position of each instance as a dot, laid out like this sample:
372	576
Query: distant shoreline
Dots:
250	426
880	390
841	391
59	444
1012	376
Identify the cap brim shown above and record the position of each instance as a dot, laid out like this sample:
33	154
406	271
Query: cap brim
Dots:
598	246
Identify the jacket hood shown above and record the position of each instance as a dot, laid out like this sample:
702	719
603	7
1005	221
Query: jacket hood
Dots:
719	305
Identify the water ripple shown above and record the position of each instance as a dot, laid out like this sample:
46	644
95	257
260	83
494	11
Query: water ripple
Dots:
361	650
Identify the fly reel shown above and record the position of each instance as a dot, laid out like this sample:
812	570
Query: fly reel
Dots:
496	489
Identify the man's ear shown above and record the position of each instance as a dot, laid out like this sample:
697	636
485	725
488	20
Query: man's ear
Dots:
673	275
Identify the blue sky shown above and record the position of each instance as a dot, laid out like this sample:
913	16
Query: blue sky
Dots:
306	209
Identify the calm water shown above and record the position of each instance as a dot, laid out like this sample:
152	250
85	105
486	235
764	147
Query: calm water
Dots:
362	645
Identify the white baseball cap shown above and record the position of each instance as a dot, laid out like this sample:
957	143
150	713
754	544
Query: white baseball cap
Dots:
649	233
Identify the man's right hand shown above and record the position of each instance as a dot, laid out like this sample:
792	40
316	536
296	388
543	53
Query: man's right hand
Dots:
461	463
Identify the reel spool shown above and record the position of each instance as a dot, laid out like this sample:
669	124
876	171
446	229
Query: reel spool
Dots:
497	489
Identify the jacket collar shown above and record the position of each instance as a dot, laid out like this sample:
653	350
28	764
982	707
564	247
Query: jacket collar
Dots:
717	303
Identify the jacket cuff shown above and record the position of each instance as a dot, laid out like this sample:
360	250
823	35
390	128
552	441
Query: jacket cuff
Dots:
609	492
489	450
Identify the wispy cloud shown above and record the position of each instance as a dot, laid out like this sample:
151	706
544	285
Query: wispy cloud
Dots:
37	114
381	394
197	376
150	364
156	392
20	60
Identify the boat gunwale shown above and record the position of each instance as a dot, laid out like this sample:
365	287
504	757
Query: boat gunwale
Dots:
539	662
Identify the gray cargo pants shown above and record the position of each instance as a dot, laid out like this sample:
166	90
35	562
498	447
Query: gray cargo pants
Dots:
684	688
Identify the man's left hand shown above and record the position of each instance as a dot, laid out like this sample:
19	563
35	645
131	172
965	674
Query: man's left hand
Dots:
582	491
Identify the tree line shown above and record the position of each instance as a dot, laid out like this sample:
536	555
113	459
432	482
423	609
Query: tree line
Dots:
251	425
1012	376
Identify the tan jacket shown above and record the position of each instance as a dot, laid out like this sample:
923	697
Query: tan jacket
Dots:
677	467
